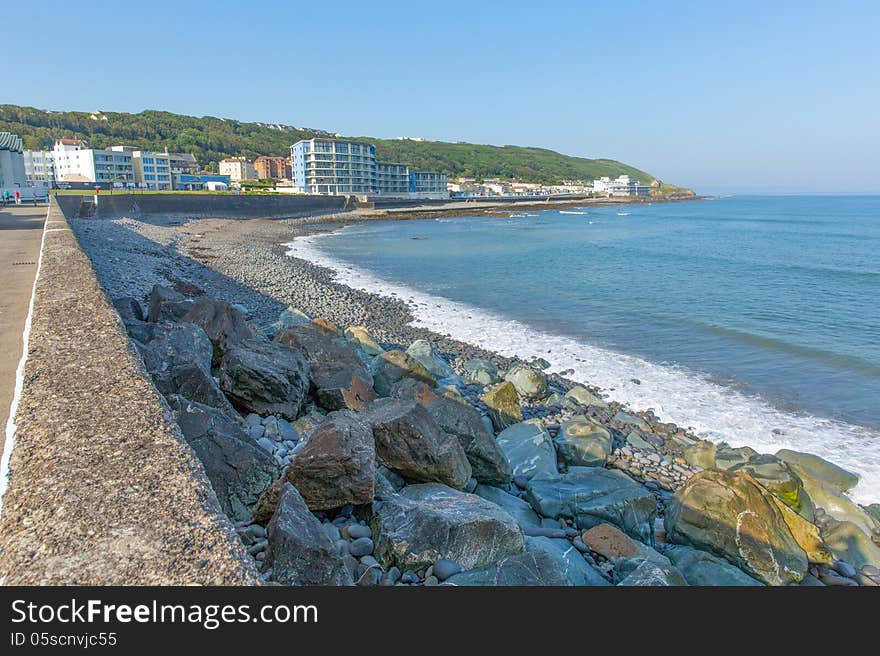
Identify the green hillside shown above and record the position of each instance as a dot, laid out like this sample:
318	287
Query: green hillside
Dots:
211	139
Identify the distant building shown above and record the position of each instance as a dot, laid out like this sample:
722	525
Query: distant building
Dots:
621	186
39	167
334	166
76	162
392	178
276	168
428	183
12	175
182	162
200	181
238	169
152	170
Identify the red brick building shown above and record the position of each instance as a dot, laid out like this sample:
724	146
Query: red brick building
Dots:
277	168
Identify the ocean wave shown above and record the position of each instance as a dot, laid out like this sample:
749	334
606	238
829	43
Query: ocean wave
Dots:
676	394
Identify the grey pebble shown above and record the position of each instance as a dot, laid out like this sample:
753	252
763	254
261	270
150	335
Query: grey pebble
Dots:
357	531
360	547
443	569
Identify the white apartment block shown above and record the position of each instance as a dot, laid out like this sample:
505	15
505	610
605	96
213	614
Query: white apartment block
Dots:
39	167
621	186
76	162
238	169
151	170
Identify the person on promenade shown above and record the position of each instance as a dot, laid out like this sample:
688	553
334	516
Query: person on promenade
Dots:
17	197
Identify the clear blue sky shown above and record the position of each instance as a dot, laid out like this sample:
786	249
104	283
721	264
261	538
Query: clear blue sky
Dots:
744	96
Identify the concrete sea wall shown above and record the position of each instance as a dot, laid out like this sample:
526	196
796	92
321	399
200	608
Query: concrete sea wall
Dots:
103	488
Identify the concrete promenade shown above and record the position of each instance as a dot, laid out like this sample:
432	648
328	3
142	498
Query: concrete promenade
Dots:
21	230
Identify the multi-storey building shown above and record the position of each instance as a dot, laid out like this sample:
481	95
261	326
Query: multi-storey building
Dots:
200	181
276	168
427	183
152	170
334	166
39	167
238	168
392	178
621	186
76	162
182	162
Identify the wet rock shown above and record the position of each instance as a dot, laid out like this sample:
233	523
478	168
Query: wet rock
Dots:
627	419
728	457
776	476
591	496
299	551
409	442
847	542
502	402
429	522
643	572
583	442
265	378
731	515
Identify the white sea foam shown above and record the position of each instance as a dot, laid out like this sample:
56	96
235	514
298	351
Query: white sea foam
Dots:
688	399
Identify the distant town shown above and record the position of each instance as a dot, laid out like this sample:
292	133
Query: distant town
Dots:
322	165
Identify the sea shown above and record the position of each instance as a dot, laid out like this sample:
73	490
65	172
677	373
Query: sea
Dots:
753	320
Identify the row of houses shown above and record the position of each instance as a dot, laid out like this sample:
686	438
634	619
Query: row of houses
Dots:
73	162
623	185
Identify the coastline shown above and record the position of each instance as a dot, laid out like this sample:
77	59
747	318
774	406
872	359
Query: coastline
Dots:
246	262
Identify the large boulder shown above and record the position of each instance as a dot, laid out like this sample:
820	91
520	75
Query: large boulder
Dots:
502	402
582	396
834	502
530	382
409	442
239	470
320	343
129	309
223	324
731	515
727	457
591	496
813	467
339	385
481	372
805	533
291	317
702	568
361	337
300	552
265	378
583	442
847	542
166	304
428	522
528	448
457	417
392	366
776	476
178	358
423	352
643	572
536	568
520	510
337	464
701	454
571	562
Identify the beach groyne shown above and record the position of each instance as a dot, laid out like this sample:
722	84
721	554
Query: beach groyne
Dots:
102	487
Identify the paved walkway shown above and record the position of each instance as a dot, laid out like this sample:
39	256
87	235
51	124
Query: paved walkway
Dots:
21	230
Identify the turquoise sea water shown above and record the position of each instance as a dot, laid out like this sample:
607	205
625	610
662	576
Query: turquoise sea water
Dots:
752	319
